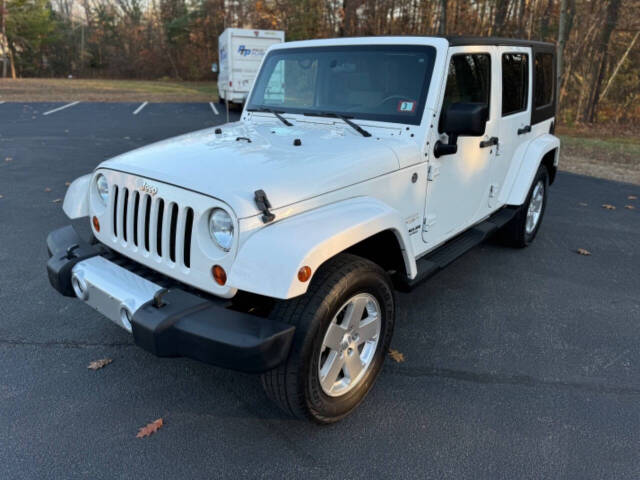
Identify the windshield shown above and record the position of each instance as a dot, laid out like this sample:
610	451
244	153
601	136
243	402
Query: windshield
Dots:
387	83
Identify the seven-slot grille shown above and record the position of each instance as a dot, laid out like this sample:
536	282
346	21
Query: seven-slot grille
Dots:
152	224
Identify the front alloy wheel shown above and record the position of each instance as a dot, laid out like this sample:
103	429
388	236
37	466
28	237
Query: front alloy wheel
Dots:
344	325
349	345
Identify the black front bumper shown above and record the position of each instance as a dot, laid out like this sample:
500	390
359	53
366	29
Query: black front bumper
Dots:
183	324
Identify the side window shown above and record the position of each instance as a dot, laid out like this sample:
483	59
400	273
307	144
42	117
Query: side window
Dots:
468	80
543	88
515	82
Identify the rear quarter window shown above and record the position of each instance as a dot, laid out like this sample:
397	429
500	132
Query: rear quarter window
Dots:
543	88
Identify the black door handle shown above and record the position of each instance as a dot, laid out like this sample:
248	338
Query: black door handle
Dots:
526	129
489	143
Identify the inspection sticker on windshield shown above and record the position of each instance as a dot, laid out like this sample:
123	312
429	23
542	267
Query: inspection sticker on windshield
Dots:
406	106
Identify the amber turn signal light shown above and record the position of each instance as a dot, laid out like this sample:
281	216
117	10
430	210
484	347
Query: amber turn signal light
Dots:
304	274
219	275
96	224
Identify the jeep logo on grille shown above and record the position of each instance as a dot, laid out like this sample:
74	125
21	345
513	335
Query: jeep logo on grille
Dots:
148	188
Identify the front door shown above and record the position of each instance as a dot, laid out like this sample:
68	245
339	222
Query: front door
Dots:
459	184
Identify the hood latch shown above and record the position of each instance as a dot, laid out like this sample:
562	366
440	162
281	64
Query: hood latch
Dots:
263	204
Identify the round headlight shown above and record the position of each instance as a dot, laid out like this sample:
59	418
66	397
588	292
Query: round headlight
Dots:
102	186
221	228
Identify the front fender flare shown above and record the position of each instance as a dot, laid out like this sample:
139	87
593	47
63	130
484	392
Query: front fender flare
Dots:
532	157
76	200
268	262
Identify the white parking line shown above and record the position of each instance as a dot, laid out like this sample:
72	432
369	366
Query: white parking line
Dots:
61	108
213	107
140	108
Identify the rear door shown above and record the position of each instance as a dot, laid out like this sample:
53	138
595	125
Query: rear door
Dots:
458	184
515	111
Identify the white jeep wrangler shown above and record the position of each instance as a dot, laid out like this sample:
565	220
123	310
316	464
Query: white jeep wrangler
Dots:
274	244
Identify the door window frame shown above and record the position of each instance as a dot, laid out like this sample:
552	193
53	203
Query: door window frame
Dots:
528	89
468	50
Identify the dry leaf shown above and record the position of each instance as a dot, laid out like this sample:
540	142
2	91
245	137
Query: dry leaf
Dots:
47	189
150	428
396	355
583	251
66	184
8	159
629	207
57	200
608	207
98	364
632	197
582	204
1	196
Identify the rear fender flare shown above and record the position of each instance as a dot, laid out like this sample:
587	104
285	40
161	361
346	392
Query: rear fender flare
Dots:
529	165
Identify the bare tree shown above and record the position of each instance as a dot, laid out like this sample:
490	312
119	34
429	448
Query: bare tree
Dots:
442	25
611	17
562	40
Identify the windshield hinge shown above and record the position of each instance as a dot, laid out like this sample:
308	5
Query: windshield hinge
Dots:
263	204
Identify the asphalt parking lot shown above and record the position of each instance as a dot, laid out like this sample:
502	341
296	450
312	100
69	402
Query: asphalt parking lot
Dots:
519	363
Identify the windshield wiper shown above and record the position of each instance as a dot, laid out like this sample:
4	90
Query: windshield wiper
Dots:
344	118
276	113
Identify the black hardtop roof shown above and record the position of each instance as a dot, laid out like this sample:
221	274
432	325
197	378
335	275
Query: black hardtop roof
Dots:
456	41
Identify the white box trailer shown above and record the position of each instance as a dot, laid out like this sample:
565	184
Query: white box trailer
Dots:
240	52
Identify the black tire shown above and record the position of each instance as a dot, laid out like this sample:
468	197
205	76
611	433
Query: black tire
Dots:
295	385
515	232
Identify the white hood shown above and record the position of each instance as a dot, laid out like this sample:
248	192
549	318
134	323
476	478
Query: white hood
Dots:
231	169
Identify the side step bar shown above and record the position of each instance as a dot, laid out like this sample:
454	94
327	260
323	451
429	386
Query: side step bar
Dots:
442	256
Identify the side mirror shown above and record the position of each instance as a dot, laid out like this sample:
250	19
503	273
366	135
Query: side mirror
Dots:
461	119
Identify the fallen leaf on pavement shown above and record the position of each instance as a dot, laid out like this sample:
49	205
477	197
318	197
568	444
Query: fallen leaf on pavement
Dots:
1	196
583	251
150	428
66	184
98	364
47	189
608	207
629	207
632	197
57	200
396	355
8	159
582	204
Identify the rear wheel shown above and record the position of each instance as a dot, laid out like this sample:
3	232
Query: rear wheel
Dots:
523	228
344	325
